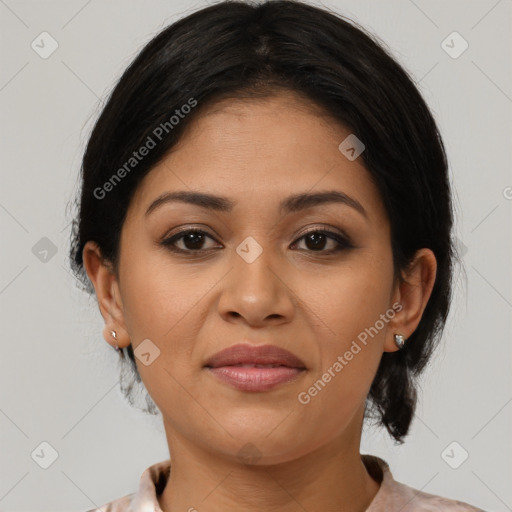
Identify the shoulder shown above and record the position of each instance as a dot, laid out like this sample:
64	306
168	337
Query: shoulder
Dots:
394	495
151	484
418	501
119	505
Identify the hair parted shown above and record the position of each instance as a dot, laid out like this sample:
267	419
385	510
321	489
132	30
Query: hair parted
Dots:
250	50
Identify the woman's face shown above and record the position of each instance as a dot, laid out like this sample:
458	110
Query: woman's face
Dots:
255	278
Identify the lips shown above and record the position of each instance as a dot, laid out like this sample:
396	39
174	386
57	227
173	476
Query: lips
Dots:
251	355
255	368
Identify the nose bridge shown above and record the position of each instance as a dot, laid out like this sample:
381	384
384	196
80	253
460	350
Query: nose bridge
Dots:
255	290
253	265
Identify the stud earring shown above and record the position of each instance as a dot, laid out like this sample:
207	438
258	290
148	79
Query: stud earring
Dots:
399	341
114	335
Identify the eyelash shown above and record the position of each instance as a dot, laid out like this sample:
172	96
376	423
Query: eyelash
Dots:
342	241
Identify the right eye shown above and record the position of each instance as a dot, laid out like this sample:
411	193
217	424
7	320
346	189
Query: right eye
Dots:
192	240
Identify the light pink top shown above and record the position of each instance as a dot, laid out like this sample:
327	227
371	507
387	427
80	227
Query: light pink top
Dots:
392	496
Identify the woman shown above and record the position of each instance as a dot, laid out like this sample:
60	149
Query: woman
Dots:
265	219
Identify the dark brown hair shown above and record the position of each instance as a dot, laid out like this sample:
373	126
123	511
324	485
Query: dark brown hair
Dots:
239	49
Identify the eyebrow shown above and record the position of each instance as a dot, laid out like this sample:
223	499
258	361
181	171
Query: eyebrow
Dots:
290	204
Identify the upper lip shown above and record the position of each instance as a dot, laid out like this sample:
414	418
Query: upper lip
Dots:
254	354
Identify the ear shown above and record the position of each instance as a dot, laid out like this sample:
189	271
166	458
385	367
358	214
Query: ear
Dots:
412	292
105	284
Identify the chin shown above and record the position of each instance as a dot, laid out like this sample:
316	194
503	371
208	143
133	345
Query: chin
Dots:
263	442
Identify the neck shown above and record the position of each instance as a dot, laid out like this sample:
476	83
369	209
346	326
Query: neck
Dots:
331	478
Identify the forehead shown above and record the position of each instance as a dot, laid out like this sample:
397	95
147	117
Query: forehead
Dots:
258	151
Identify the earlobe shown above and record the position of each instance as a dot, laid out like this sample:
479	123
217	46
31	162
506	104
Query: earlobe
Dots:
105	284
413	293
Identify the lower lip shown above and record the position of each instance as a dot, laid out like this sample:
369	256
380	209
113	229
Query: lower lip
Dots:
248	378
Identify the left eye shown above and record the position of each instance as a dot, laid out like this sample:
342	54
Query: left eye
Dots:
315	240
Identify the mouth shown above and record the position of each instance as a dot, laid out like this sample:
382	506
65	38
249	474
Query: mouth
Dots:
255	368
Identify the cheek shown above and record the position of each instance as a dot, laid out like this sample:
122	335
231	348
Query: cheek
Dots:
349	314
158	297
347	301
165	304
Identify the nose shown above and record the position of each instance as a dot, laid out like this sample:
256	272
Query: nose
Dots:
255	291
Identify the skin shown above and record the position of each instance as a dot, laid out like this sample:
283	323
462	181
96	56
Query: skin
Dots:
306	456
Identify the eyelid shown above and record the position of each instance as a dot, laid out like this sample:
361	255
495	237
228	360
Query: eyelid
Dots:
311	229
175	235
323	227
342	240
190	227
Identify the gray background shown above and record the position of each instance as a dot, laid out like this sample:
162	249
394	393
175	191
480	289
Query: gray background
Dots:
59	379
